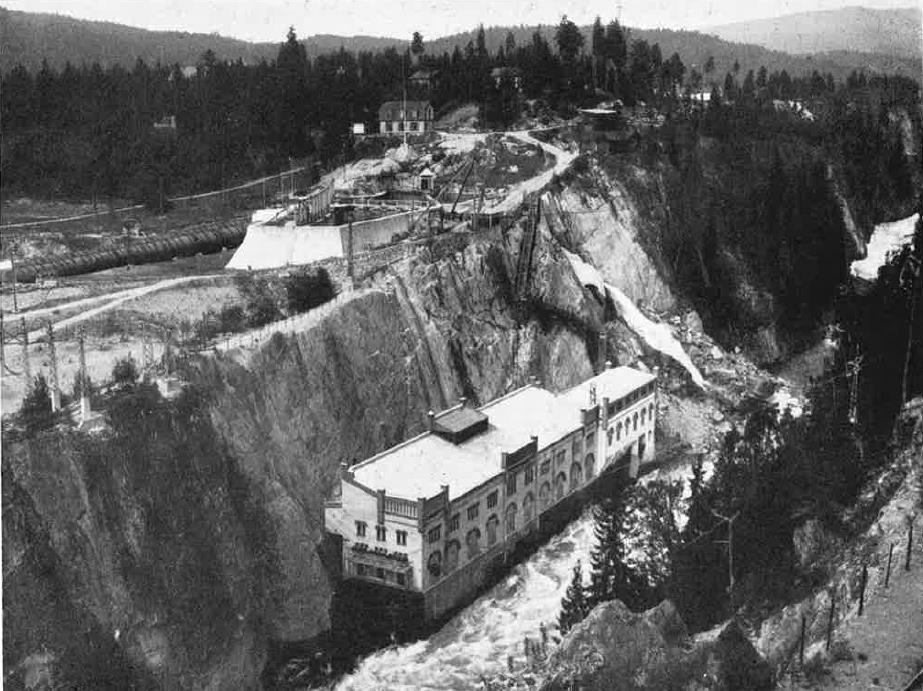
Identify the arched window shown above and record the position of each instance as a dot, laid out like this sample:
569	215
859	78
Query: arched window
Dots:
473	542
609	434
434	564
544	495
492	524
576	476
650	412
589	466
643	416
618	431
452	549
528	508
635	421
511	518
560	485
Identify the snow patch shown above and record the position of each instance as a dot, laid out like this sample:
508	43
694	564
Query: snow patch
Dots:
657	336
887	238
784	401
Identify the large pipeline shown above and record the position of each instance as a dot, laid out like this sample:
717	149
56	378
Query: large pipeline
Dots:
206	238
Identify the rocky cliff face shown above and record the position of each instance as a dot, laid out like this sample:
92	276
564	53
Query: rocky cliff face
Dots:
170	550
188	536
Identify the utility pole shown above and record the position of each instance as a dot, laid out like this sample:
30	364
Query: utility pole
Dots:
915	267
55	382
349	248
730	543
852	370
26	368
13	270
84	393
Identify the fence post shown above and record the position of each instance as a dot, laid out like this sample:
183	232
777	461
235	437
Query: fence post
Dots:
909	547
801	645
865	575
888	572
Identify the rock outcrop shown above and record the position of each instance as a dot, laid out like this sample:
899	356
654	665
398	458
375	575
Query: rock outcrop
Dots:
614	648
169	551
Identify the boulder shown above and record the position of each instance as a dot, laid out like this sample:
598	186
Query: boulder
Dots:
609	648
727	661
666	619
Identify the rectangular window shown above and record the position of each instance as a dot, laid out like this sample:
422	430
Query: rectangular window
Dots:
473	511
590	441
381	533
545	468
576	450
492	499
511	484
453	524
401	537
401	579
561	459
360	528
530	473
380	573
434	534
360	569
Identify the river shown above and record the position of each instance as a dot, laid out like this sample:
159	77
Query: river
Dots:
478	640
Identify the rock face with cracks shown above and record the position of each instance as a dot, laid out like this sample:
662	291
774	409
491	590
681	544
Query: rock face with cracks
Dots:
171	550
614	648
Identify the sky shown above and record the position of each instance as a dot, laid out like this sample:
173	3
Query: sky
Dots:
268	20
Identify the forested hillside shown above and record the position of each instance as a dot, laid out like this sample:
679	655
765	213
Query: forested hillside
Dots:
88	132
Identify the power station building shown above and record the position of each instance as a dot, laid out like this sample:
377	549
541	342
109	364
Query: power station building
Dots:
434	514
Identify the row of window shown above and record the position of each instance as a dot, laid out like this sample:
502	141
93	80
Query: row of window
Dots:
381	533
630	424
382	574
414	126
443	561
636	395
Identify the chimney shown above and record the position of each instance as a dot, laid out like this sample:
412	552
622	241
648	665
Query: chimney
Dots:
345	472
430	420
608	364
381	506
463	401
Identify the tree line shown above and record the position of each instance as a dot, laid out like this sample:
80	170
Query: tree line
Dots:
88	132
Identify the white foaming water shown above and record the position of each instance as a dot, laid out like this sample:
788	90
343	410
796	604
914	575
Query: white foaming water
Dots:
887	238
477	641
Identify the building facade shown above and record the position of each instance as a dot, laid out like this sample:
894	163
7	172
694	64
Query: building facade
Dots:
435	514
414	117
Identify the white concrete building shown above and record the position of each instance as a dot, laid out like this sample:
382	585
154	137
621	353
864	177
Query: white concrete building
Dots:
433	514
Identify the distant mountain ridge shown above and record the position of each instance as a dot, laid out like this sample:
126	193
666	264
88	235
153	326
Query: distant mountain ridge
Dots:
27	38
888	32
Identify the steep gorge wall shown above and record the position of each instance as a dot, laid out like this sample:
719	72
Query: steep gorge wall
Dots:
187	537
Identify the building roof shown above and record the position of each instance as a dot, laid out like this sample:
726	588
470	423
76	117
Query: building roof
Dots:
504	71
421	466
391	110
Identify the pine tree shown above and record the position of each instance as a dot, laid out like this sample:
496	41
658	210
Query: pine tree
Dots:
610	576
575	605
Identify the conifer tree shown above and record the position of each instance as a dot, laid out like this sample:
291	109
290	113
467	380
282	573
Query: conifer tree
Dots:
611	578
575	605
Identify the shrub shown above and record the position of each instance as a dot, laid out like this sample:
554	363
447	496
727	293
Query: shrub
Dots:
35	411
304	291
125	371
